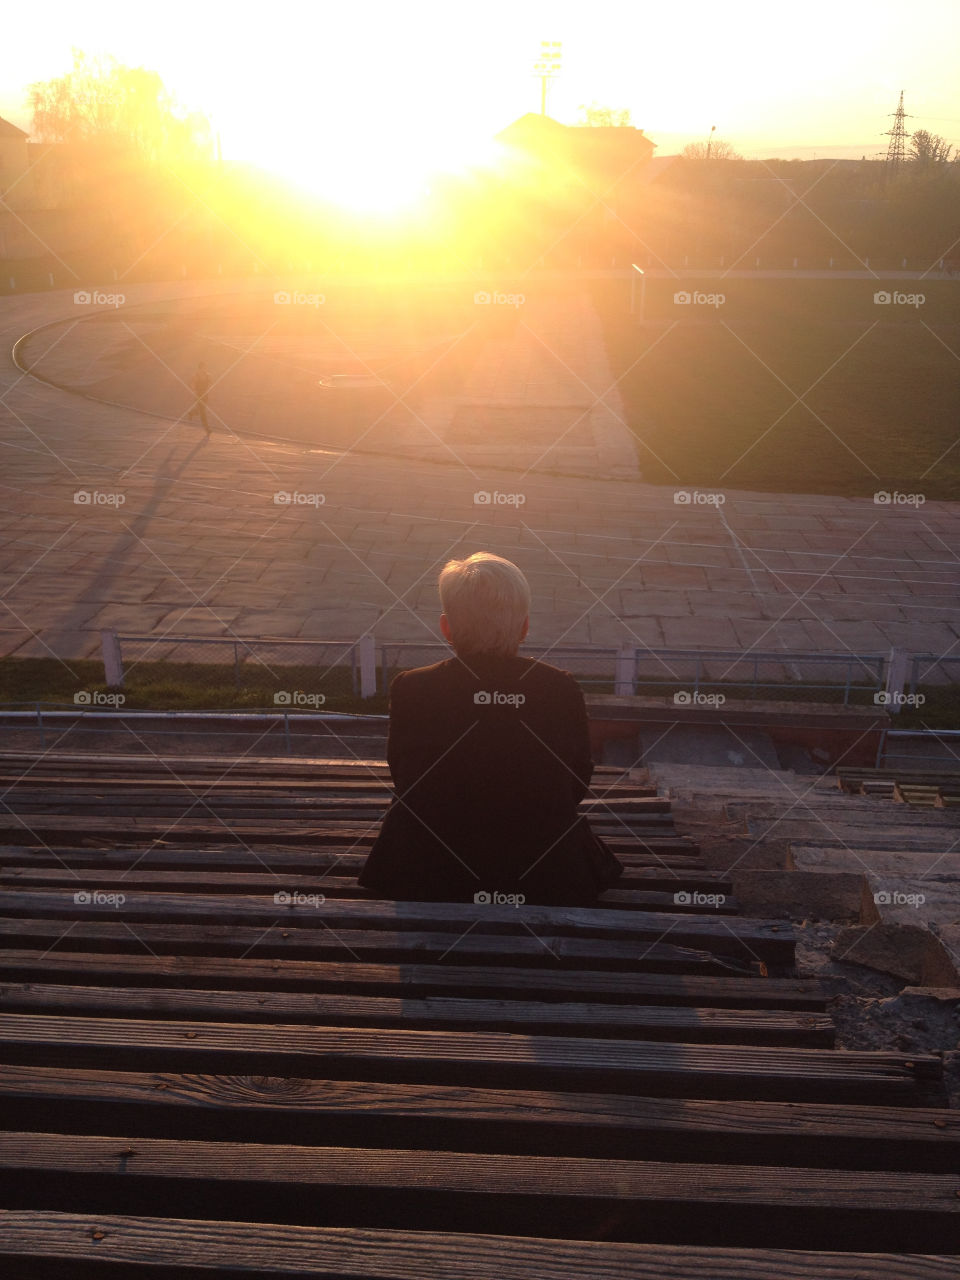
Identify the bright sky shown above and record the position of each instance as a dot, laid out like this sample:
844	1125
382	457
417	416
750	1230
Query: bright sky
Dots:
297	82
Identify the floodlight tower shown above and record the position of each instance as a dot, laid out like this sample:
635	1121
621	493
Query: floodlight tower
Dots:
897	149
548	68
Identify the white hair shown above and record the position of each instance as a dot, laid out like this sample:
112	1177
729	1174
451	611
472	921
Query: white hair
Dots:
486	600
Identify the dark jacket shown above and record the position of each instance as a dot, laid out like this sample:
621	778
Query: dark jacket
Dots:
487	787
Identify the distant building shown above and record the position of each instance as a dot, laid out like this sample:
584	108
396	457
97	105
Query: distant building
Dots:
580	185
608	151
16	189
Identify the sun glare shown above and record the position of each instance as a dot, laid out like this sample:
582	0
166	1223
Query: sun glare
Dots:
374	174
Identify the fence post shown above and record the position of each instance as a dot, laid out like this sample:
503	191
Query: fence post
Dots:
626	669
112	661
367	653
897	666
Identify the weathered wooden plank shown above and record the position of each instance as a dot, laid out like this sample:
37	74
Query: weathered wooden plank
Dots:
277	768
166	1248
352	1186
761	939
380	946
638	887
630	893
156	794
653	871
361	1113
412	980
647	1022
31	829
279	940
475	1058
145	762
254	810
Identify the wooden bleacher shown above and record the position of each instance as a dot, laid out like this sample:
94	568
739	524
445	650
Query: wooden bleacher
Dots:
202	1080
924	788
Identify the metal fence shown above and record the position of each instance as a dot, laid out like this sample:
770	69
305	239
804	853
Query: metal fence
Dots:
593	665
299	670
932	668
701	670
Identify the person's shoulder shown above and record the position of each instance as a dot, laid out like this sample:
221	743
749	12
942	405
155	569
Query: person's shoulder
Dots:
546	676
541	670
417	677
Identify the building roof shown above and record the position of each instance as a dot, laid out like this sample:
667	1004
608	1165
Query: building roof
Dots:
8	130
587	144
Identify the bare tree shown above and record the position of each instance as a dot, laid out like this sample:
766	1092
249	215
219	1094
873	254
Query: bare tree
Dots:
604	117
717	149
929	149
101	100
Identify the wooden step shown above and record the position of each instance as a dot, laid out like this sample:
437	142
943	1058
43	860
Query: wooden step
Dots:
487	1059
246	973
415	1116
646	1022
652	1201
631	891
284	809
739	936
380	946
329	850
163	1248
46	828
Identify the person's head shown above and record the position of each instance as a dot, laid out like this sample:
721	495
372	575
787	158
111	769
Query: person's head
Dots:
486	605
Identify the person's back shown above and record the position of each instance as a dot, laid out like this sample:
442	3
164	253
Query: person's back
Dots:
490	757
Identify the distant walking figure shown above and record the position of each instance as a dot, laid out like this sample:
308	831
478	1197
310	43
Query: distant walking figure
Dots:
201	385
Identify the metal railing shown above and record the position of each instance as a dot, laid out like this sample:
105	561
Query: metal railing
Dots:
923	665
624	668
865	673
246	655
581	660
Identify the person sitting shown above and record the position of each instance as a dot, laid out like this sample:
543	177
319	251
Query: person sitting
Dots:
489	753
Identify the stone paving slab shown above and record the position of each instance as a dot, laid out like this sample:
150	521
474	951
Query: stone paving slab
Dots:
198	533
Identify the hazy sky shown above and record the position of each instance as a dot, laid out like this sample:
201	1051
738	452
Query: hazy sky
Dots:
292	79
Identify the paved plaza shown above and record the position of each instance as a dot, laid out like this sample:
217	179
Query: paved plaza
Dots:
116	518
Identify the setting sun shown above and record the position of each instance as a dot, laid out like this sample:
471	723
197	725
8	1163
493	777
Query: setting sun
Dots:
371	172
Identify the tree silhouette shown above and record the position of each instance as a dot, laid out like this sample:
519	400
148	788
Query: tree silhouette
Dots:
598	117
101	101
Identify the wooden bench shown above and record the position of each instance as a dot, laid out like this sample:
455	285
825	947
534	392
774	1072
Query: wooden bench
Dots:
203	1079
